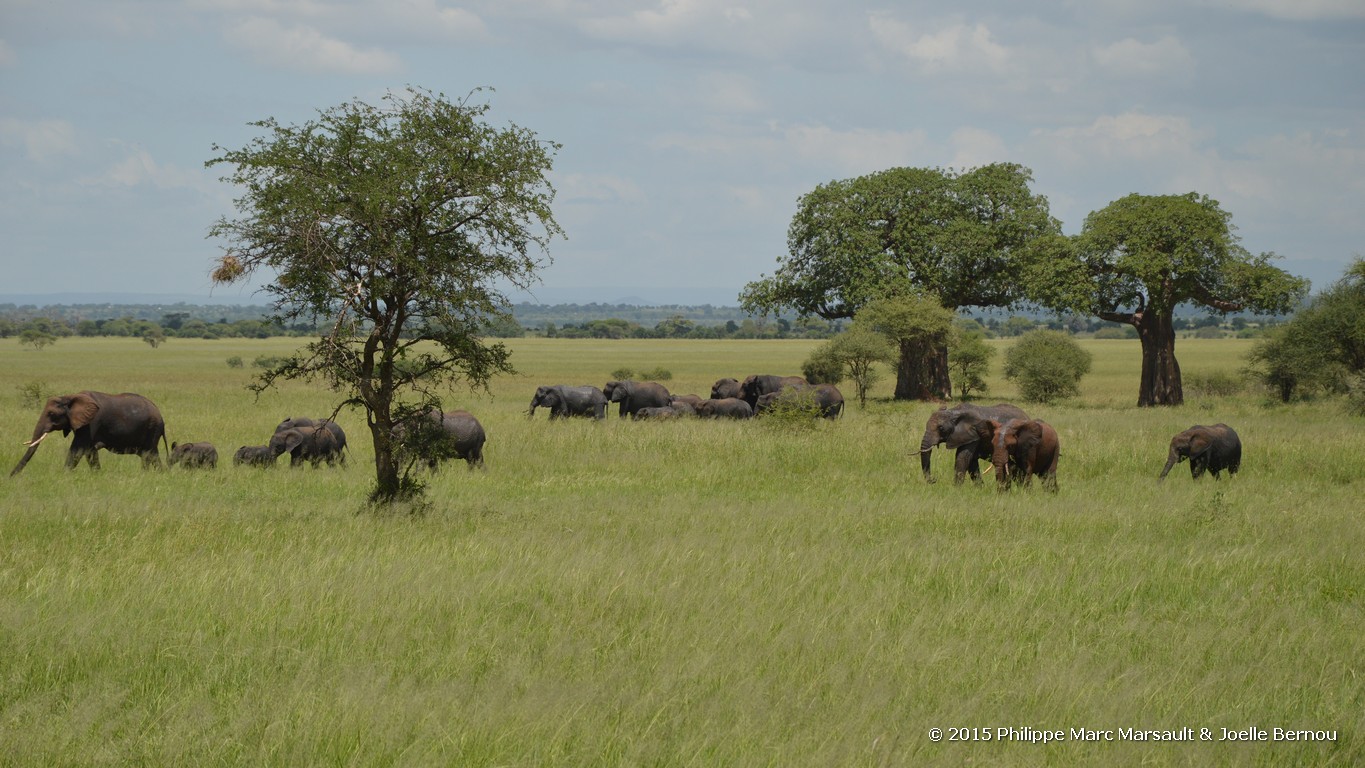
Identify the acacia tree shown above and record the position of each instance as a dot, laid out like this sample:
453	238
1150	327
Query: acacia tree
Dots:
395	223
957	237
1140	257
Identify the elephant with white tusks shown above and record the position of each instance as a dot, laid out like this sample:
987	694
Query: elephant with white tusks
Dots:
1214	448
959	428
125	423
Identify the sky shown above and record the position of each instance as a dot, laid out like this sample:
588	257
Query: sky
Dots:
689	128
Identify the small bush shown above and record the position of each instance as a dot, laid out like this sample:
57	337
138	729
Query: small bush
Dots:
1048	366
32	394
266	361
1216	384
793	411
1355	395
823	368
234	362
657	374
1116	333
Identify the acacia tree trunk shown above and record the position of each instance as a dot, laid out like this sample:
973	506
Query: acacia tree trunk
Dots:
1160	383
922	372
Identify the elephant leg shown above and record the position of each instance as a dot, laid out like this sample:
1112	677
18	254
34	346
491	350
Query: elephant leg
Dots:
964	464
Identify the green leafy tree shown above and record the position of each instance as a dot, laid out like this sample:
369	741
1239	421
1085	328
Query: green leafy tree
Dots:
853	354
1321	347
1140	257
37	339
959	237
395	224
969	359
1048	365
919	327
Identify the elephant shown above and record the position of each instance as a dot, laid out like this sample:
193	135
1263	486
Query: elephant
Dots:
690	400
1214	448
634	395
826	397
957	427
758	385
666	412
1022	448
254	455
726	408
724	388
311	444
124	423
192	455
564	402
337	433
446	435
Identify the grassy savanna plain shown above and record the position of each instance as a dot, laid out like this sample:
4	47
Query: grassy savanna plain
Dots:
678	593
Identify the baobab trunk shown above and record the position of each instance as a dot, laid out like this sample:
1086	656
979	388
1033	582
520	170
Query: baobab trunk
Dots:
1160	384
922	373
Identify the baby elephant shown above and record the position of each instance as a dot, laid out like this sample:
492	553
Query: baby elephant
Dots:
254	455
311	444
192	455
1214	448
1022	448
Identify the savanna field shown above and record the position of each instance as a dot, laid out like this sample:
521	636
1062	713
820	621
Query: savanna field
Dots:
676	593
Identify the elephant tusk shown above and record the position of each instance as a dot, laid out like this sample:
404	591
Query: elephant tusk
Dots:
33	443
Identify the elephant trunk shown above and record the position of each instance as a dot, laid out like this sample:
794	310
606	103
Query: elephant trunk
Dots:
1170	462
926	446
38	437
530	414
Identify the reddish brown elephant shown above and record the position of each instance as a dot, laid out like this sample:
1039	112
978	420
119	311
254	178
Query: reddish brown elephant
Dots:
1022	448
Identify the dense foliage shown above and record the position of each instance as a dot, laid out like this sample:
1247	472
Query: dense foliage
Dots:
1140	257
1322	349
396	223
958	237
1047	366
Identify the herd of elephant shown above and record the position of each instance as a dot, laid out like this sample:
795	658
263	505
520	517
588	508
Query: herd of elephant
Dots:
1018	447
730	399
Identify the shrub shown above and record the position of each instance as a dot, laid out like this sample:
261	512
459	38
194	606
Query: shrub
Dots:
234	362
1216	384
32	394
266	361
623	374
1110	332
822	367
1048	365
969	360
657	374
793	411
1355	395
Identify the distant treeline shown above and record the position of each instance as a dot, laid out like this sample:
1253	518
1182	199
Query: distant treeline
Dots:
602	321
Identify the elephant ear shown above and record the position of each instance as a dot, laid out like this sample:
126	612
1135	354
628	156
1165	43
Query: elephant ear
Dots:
1199	444
292	439
986	429
82	410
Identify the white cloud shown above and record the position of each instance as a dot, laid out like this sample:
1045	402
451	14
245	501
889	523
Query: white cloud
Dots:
829	150
7	54
1298	10
41	140
306	49
952	47
1130	135
139	169
729	93
975	147
590	188
1133	57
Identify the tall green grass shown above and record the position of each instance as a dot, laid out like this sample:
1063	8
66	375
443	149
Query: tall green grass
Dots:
675	593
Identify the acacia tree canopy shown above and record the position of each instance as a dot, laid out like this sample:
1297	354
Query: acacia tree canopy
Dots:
396	223
957	237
